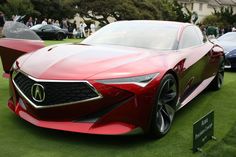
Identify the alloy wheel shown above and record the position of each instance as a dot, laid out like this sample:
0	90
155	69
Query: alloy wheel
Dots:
165	110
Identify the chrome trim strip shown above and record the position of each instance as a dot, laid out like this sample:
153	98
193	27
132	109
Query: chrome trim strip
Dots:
56	105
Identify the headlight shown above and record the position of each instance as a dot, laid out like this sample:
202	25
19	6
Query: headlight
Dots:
137	80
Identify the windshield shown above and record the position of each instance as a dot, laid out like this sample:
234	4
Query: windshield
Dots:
36	27
151	35
56	27
228	37
18	30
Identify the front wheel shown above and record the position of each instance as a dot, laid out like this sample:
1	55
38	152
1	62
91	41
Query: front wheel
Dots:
164	109
60	36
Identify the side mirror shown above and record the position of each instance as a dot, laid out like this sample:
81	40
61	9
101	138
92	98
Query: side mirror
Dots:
217	49
213	40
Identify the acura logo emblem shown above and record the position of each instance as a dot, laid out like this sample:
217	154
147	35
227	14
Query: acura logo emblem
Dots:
37	92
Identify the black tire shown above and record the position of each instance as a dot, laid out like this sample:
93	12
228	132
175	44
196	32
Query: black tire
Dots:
219	78
164	108
60	36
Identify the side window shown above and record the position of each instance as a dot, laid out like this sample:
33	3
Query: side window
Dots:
189	38
201	35
46	27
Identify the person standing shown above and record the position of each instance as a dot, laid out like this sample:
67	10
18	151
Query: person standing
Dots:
57	23
74	25
2	22
13	17
211	32
70	30
92	27
64	24
49	21
82	27
44	22
29	23
35	22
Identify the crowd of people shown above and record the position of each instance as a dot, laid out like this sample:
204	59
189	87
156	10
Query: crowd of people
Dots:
213	31
81	31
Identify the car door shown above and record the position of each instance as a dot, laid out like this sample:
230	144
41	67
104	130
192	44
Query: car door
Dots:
213	57
195	53
47	32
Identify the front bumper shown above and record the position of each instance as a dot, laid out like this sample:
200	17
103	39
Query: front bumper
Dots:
230	61
115	128
122	110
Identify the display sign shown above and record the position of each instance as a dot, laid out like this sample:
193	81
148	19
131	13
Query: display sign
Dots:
203	131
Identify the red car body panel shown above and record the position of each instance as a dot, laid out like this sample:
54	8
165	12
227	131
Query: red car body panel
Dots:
123	107
11	49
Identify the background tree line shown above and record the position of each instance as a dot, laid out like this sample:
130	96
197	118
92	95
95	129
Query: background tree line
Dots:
98	10
221	18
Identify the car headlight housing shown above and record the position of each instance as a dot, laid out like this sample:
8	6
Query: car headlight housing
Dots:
137	80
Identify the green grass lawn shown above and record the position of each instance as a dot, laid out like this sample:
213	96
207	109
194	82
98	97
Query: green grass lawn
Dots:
51	42
21	139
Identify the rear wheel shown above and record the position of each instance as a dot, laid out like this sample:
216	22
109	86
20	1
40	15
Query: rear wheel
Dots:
164	109
219	78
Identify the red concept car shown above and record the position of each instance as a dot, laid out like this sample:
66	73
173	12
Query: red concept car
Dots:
128	76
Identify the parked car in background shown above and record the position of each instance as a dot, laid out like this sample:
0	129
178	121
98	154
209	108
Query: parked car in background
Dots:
228	42
50	32
16	43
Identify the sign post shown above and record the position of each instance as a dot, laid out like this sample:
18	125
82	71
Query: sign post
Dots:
203	131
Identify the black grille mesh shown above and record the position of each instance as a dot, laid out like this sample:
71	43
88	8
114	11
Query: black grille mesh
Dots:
56	92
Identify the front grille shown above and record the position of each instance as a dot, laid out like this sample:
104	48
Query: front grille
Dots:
56	93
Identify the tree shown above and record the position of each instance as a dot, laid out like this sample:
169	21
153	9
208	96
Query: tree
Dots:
221	18
18	7
171	10
98	10
213	20
56	9
102	10
226	14
3	1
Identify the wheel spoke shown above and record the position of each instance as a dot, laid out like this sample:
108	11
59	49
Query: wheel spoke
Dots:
170	111
169	92
220	78
167	87
169	97
164	116
160	122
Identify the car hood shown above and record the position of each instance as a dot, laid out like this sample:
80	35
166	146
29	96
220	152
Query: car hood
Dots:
227	45
72	61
